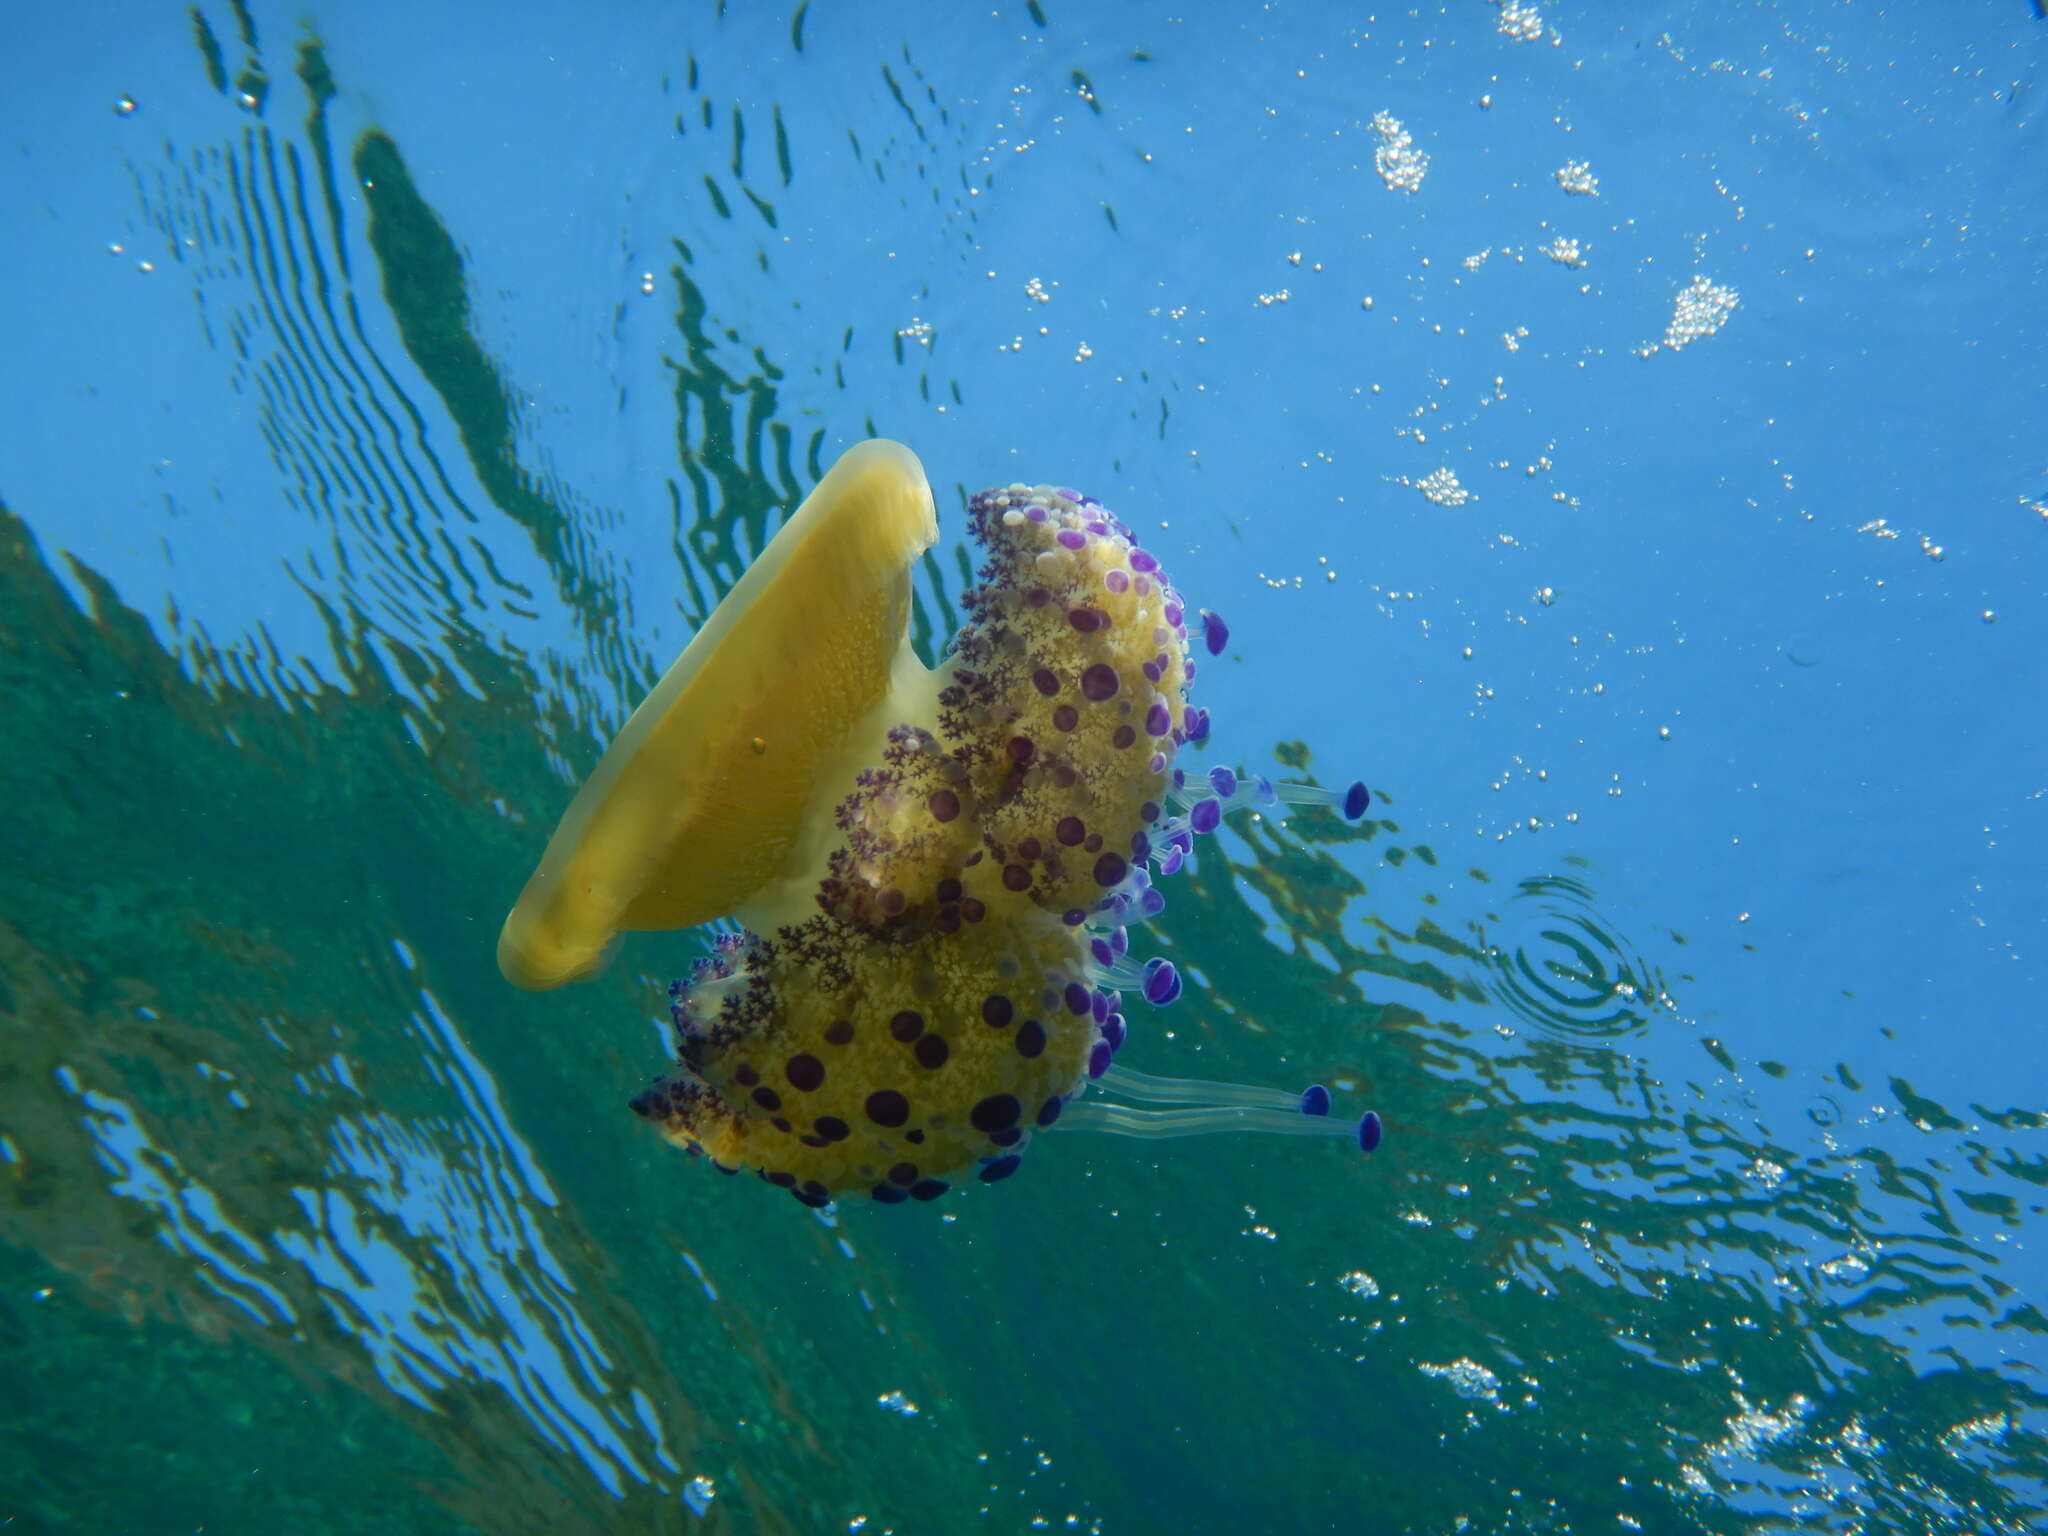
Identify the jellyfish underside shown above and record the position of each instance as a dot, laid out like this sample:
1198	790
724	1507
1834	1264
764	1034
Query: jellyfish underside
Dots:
934	870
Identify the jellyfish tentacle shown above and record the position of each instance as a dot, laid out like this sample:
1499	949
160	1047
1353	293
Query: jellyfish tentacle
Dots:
1133	1084
1209	1120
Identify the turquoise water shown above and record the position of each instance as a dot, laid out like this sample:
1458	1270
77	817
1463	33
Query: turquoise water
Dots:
393	394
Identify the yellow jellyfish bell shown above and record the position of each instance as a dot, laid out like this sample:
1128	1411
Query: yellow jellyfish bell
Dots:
702	806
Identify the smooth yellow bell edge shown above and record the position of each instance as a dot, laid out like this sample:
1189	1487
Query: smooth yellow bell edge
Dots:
550	938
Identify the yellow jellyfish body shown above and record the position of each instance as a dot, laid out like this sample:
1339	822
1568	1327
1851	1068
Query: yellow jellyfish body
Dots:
933	869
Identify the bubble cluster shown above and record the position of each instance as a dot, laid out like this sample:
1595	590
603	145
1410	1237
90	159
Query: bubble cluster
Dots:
1699	310
1400	164
1577	178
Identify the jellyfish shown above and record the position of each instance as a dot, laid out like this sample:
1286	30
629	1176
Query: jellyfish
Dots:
927	878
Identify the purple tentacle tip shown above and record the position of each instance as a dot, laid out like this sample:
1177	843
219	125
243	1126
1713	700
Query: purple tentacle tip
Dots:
1223	781
1215	632
1356	799
1369	1131
1315	1100
1204	815
1162	982
997	1168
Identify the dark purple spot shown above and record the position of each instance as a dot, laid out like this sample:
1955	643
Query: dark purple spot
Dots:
1008	1138
889	1194
1016	877
1071	538
1123	738
997	1011
1204	815
1369	1131
1104	955
1098	1059
927	1189
973	910
1223	781
1065	717
1141	846
931	1052
1001	1168
1021	750
1074	917
1153	671
1173	614
1049	1111
1044	681
1070	831
1116	581
904	1174
1098	1007
831	1127
949	890
1031	1040
1115	1031
1148	812
995	1112
891	902
907	1025
780	1179
1110	869
944	804
1087	620
1100	682
1356	799
1077	999
745	1075
1030	850
885	1106
1158	720
1092	843
805	1072
1315	1100
1037	597
1063	777
767	1098
1143	563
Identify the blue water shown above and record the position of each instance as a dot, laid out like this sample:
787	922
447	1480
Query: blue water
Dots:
394	389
